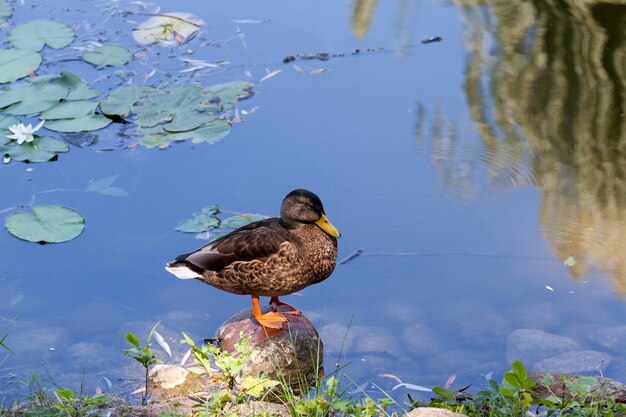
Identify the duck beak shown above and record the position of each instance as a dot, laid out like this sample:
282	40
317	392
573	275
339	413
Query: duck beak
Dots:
327	226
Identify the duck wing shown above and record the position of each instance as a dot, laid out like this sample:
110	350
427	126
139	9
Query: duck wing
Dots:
255	241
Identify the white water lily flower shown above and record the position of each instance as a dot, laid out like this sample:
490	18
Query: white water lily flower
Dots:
22	133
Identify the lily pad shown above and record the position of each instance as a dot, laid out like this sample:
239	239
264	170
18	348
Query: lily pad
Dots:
209	133
39	150
230	93
46	224
5	11
121	101
79	124
77	88
178	109
6	121
34	35
31	98
108	55
70	110
167	29
17	63
105	186
240	220
202	221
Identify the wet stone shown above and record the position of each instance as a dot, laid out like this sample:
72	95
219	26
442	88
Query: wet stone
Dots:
579	361
421	340
40	343
293	354
538	316
337	338
610	337
532	345
90	356
375	340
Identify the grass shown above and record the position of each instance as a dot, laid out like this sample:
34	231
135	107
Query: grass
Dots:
516	395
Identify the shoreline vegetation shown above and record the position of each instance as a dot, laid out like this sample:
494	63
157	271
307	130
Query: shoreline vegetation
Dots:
220	382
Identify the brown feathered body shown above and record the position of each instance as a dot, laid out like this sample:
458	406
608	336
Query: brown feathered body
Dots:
264	258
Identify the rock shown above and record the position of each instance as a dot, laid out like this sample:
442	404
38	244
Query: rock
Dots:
610	337
253	408
432	412
605	387
539	316
478	323
40	343
338	339
421	340
293	354
375	340
532	345
170	381
90	356
577	361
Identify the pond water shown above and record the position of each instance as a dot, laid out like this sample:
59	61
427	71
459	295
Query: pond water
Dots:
466	170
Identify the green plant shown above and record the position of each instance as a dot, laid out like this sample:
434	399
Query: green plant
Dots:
74	405
519	395
144	355
229	364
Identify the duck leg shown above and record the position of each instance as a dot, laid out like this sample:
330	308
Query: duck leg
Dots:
272	320
275	303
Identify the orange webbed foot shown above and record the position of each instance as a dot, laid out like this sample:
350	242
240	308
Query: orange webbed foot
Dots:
271	320
276	303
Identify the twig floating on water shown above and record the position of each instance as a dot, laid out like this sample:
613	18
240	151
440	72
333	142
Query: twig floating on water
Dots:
432	40
351	256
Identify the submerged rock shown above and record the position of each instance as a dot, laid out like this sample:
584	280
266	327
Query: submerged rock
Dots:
610	337
293	354
573	362
532	345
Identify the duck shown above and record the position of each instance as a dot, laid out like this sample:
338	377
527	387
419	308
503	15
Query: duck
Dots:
271	258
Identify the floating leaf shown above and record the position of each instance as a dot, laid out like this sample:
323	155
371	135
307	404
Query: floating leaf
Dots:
40	150
230	93
35	34
167	29
49	224
235	222
179	109
79	124
77	88
108	55
33	97
17	63
209	133
120	101
70	110
201	222
6	120
5	11
105	186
